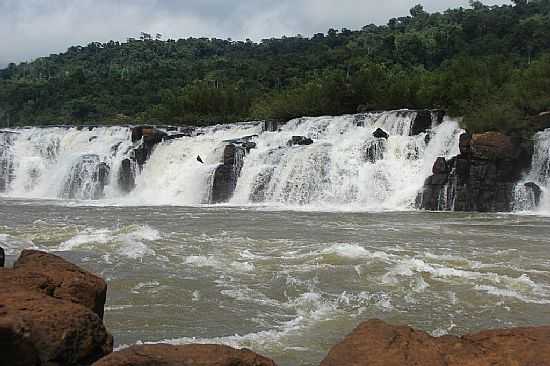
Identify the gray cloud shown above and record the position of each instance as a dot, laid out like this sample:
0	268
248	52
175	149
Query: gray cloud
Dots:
34	28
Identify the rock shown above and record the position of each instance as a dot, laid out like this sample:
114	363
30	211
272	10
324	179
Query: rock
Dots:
299	140
464	143
535	190
422	122
57	332
2	257
127	176
440	166
380	134
16	347
482	178
227	174
149	137
272	125
493	146
376	343
187	355
64	280
374	150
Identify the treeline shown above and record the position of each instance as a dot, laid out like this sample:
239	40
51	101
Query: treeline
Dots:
490	64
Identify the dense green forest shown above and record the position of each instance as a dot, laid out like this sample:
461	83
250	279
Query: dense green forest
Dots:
490	64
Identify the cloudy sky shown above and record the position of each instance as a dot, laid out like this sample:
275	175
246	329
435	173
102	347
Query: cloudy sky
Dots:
33	28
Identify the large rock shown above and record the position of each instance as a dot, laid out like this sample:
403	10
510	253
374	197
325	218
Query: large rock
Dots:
380	134
299	140
126	176
149	138
481	178
376	343
187	355
37	329
50	274
226	174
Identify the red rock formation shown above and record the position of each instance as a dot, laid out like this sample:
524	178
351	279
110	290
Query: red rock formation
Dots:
65	280
188	355
376	343
54	331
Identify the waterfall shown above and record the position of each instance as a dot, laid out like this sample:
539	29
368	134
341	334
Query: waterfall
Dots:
536	185
313	162
346	167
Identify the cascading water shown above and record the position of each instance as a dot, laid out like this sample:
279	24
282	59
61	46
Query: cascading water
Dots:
526	193
64	163
345	167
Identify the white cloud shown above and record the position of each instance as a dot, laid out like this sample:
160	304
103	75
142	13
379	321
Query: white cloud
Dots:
33	28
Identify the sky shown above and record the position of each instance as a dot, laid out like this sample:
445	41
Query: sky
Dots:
34	28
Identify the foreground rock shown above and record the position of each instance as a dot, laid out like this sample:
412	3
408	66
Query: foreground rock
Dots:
481	178
188	355
50	313
37	329
52	275
376	343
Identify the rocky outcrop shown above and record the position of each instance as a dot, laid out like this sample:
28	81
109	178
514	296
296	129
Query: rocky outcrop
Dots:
299	140
376	343
272	125
149	137
188	355
52	275
226	174
54	331
50	313
126	176
380	134
481	178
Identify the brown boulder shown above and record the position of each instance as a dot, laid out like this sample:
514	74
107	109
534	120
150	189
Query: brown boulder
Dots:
61	279
493	146
187	355
376	343
57	332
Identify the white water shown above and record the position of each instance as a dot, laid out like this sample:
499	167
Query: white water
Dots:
332	173
539	174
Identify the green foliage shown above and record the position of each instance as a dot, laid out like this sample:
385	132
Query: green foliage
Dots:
490	64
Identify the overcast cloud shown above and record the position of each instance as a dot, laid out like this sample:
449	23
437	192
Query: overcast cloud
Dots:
34	28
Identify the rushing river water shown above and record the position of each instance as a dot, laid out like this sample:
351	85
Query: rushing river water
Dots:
290	284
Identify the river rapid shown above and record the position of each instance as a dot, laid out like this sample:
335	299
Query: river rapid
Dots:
291	283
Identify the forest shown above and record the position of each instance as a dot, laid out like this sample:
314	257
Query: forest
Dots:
487	64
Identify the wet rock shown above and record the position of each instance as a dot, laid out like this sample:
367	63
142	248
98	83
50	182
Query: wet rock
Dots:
87	178
299	140
482	178
272	125
376	343
440	166
535	191
56	332
187	355
149	137
127	176
2	257
374	150
226	174
422	122
380	134
56	277
464	143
